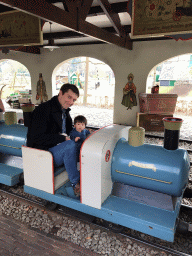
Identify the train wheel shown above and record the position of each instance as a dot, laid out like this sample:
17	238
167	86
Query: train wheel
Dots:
51	206
21	179
113	227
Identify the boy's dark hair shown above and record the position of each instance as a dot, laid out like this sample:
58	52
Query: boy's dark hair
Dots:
65	87
80	119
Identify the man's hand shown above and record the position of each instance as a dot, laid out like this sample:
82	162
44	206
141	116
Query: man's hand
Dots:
67	138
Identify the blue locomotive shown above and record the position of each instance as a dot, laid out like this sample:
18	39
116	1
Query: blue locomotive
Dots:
123	180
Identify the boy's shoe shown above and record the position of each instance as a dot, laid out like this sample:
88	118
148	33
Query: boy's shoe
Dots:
76	189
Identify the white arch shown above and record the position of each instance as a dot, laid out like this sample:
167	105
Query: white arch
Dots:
14	62
9	79
178	68
55	91
97	98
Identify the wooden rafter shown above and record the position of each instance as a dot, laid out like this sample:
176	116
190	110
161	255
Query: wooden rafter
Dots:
49	12
85	7
112	16
71	6
28	49
72	34
78	7
94	10
116	7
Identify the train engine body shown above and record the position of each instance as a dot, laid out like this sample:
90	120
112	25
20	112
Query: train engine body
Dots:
150	167
137	187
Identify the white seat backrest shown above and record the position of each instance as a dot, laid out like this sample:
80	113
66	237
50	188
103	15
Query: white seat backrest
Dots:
38	169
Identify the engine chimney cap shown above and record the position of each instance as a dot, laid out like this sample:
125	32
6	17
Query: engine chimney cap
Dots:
172	123
172	119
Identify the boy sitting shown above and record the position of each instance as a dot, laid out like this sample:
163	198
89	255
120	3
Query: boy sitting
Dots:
79	133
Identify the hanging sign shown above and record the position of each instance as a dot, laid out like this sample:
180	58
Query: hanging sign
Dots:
159	18
19	28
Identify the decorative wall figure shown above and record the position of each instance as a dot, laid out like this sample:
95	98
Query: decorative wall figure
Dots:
41	90
129	93
155	89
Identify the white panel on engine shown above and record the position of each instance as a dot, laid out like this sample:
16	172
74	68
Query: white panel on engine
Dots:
96	157
38	169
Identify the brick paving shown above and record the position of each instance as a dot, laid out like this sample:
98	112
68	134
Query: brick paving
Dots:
17	239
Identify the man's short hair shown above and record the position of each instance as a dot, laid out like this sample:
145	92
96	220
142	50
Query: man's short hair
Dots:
80	119
65	87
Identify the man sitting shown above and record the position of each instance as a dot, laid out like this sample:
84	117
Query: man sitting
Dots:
50	124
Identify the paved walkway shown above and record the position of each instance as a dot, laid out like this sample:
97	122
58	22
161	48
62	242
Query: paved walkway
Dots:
16	239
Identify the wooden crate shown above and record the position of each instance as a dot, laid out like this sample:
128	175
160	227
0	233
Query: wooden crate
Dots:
151	122
163	104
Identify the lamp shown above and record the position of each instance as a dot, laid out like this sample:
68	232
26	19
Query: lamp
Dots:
51	45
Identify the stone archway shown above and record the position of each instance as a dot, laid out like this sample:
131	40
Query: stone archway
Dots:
96	83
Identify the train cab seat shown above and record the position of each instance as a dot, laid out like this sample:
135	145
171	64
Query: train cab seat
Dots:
39	171
60	176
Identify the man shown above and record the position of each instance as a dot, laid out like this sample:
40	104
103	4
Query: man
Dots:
50	123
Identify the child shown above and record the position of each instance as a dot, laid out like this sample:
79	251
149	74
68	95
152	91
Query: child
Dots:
79	133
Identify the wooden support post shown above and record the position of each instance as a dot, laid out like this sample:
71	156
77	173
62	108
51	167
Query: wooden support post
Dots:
86	81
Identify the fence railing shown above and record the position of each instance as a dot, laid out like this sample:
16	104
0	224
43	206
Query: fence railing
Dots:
184	106
97	101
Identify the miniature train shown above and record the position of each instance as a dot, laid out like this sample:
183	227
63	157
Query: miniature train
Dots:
139	186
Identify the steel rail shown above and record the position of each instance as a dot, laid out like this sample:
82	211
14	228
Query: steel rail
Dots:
158	247
186	207
162	137
149	135
180	140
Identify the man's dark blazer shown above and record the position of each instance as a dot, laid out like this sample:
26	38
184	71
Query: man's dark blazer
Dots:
46	125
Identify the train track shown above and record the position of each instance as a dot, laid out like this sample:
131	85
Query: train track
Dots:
147	135
160	137
98	223
183	143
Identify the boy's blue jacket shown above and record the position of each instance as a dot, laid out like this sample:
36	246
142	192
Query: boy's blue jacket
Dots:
83	135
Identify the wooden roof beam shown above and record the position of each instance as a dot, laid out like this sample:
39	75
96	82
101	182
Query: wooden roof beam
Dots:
85	8
112	16
116	7
94	10
28	49
78	7
70	6
51	13
72	34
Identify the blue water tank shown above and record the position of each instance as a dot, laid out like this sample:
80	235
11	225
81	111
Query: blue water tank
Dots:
151	167
12	137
